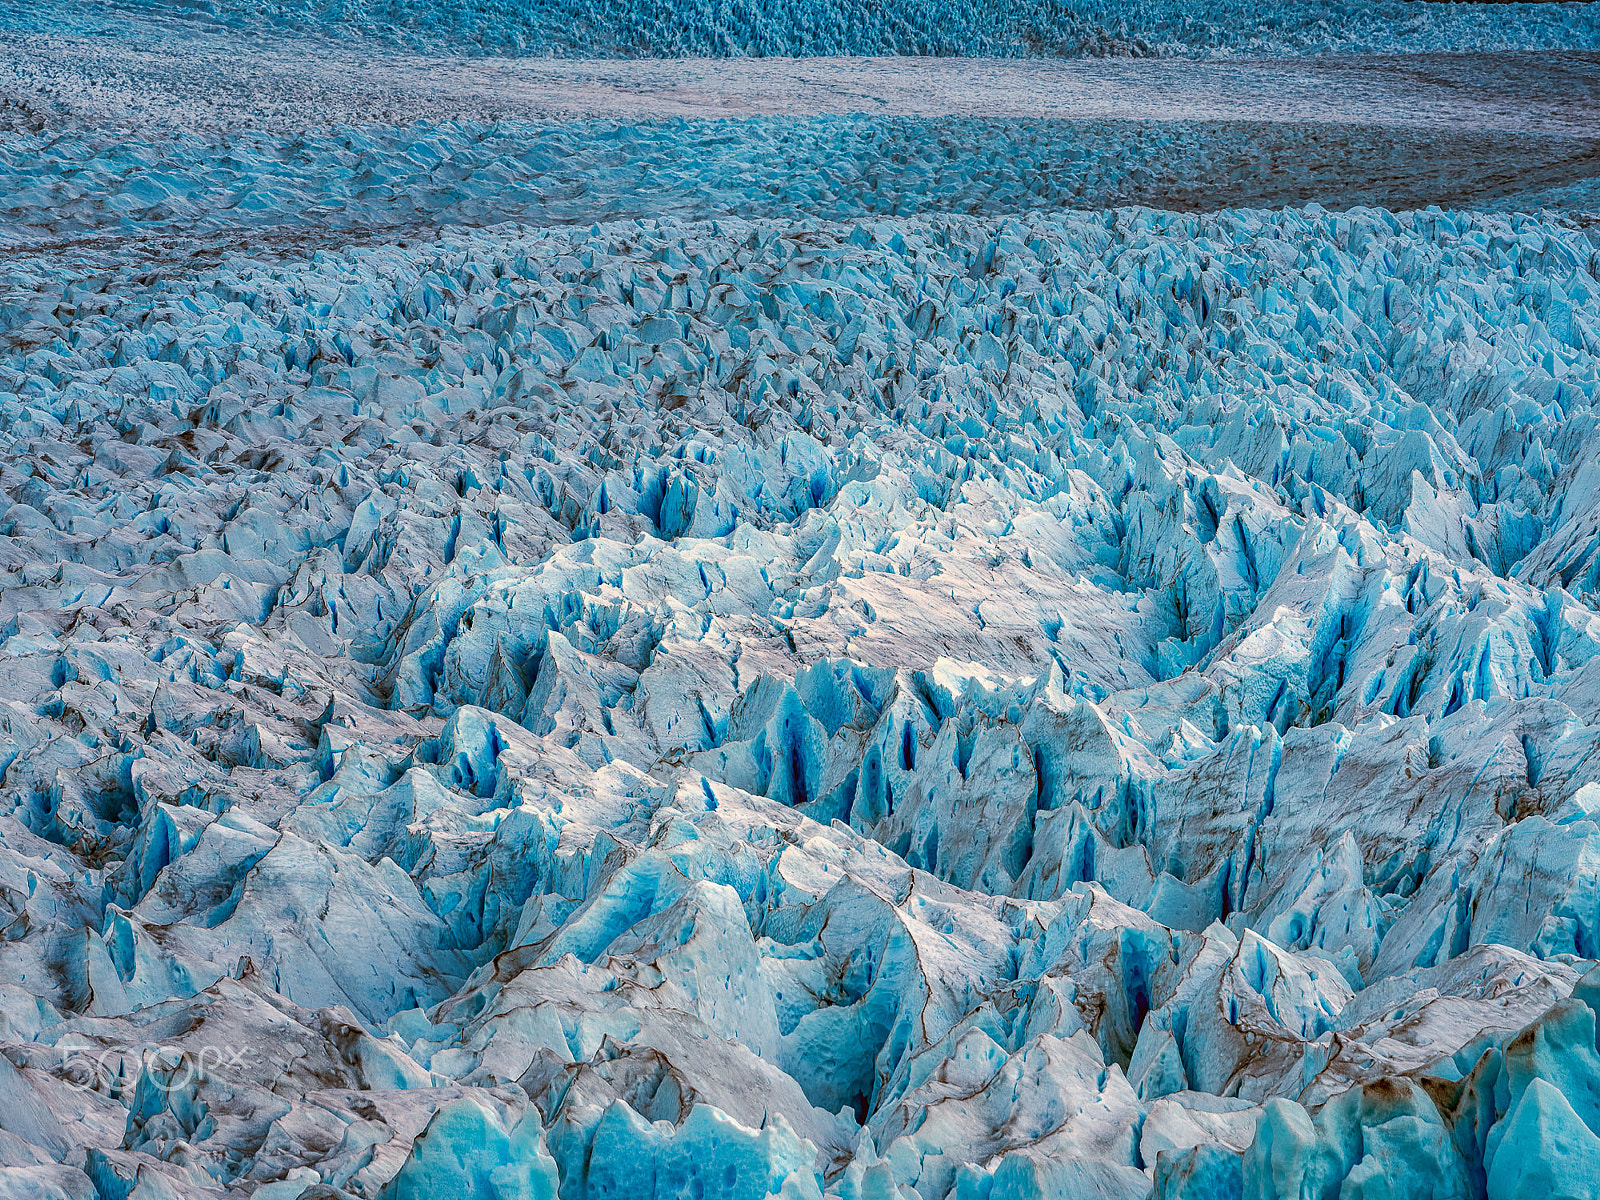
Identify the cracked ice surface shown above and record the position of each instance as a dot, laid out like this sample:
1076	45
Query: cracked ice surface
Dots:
1086	705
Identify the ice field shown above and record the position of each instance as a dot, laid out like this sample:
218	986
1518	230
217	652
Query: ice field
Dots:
1036	641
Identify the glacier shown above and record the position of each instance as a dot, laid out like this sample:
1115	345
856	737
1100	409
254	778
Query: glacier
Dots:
896	707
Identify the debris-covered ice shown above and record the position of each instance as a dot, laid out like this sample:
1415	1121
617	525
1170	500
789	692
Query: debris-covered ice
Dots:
993	708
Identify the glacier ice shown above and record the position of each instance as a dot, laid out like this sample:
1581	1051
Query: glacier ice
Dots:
805	28
1078	705
82	186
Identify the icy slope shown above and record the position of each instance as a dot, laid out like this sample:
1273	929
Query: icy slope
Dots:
1076	706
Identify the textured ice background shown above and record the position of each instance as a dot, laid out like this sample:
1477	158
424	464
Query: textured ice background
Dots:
554	652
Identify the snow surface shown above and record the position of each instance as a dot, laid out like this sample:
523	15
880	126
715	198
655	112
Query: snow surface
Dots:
1075	705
